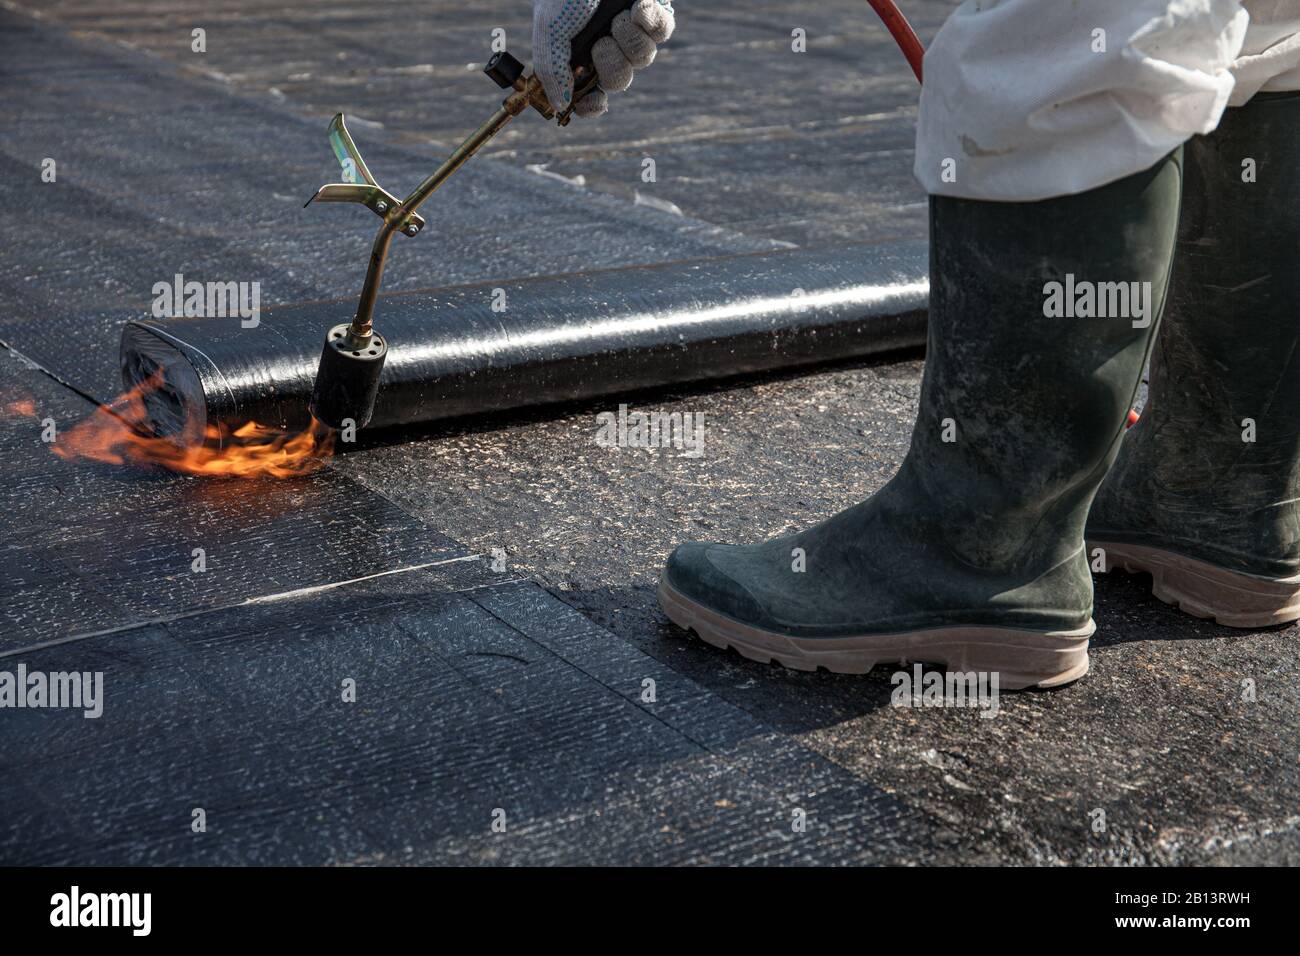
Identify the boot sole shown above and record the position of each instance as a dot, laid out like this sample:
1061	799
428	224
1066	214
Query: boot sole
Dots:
1232	598
1021	657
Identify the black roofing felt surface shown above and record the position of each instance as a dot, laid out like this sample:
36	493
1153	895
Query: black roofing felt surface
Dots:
521	690
223	688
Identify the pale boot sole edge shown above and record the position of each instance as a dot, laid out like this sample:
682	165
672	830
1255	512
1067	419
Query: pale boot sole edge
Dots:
1205	590
1021	657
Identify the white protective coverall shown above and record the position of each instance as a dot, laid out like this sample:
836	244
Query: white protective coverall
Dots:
1029	99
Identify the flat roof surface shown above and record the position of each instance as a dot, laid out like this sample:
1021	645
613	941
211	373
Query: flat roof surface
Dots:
524	691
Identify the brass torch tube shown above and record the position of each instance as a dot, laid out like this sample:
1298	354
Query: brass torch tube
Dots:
362	322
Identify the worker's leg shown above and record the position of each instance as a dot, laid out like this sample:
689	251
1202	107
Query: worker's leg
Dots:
1206	492
1044	137
972	555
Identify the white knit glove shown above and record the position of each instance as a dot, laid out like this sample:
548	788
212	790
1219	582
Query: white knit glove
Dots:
632	44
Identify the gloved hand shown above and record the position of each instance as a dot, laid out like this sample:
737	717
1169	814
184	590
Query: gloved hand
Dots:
632	45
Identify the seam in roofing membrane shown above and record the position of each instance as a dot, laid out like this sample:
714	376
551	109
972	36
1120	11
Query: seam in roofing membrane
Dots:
259	600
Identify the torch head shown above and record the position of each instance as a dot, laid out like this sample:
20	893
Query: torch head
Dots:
347	380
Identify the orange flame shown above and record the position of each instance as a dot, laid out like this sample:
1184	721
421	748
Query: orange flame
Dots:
115	434
18	408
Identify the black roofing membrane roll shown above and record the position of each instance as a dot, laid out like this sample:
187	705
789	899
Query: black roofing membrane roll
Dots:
548	340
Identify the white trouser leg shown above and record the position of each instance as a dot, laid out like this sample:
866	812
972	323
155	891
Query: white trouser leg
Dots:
1270	57
1029	99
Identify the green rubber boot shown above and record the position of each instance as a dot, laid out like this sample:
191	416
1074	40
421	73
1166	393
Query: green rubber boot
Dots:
972	556
1206	492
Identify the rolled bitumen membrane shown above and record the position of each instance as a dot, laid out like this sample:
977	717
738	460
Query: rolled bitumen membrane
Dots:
497	346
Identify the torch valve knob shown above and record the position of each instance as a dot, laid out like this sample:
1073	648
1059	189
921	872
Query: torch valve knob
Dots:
504	69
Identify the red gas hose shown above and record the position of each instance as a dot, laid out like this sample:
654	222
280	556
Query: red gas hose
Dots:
902	33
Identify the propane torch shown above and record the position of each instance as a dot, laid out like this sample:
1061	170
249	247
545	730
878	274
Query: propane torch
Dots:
347	379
